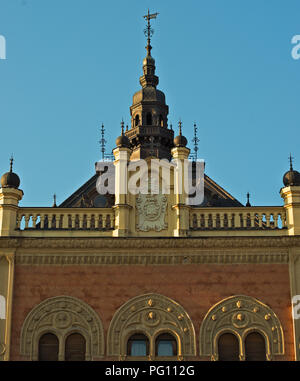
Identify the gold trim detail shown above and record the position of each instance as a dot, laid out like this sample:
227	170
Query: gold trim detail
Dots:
162	316
243	314
62	315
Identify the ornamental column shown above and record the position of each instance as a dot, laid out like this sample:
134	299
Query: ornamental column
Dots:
291	196
180	154
10	196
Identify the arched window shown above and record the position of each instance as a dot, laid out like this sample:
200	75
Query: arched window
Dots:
48	347
255	347
149	119
75	347
165	345
137	120
228	347
161	121
138	345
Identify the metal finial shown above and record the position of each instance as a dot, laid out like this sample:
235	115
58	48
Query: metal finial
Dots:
291	162
126	127
54	201
148	30
122	126
196	141
180	124
248	199
171	127
11	163
102	141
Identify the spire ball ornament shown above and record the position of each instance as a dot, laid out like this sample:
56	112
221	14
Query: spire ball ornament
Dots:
291	177
10	179
122	141
180	140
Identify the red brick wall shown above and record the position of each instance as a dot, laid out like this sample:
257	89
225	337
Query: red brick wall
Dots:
196	287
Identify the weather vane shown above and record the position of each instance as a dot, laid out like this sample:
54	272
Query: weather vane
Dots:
148	30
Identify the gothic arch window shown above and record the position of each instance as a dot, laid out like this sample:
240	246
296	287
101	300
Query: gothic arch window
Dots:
137	120
159	319
228	347
149	119
63	316
75	347
255	347
138	345
242	315
48	347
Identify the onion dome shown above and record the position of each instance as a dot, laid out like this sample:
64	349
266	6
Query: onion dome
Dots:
180	140
292	177
122	140
10	179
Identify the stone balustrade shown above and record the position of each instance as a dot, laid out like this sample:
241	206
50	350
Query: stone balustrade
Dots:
65	218
258	217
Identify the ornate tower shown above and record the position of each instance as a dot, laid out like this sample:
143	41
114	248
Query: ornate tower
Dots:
149	134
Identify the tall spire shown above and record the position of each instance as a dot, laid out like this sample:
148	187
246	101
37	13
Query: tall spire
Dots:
149	78
149	111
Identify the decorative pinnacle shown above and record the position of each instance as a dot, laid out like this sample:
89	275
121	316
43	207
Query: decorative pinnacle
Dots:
180	124
248	199
291	162
11	163
122	127
102	141
148	30
195	140
54	201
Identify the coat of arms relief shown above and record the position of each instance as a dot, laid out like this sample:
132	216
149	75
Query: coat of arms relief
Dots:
151	211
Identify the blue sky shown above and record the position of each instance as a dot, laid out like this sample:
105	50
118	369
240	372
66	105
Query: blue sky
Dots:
73	64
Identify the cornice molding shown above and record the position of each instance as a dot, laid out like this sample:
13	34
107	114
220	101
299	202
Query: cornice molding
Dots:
148	259
149	251
149	242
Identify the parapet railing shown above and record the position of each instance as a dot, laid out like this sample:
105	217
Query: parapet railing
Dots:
256	217
65	218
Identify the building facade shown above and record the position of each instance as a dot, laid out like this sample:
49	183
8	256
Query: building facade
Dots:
149	276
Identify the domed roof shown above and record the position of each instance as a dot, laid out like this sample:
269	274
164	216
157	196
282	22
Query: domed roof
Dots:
10	179
291	177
